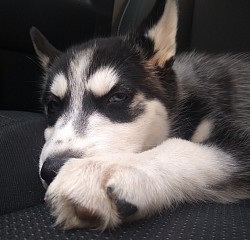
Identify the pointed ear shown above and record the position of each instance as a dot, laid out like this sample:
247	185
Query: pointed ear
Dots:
163	35
43	48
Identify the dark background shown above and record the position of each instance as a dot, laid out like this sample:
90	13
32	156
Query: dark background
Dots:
214	26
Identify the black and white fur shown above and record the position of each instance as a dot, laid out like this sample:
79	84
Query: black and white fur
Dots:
133	129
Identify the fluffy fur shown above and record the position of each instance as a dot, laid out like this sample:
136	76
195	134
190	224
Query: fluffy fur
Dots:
133	129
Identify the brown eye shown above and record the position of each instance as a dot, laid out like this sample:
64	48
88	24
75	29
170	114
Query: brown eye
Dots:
118	97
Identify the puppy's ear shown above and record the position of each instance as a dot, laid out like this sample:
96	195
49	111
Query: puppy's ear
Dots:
43	48
162	33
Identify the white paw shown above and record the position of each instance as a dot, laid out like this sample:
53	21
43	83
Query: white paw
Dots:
100	192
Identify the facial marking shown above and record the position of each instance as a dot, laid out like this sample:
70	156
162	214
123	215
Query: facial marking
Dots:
79	65
59	85
121	137
102	81
78	70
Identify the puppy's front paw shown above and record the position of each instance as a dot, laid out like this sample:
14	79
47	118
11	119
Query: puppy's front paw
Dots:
97	193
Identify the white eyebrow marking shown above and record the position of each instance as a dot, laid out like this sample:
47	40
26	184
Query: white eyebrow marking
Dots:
59	85
102	81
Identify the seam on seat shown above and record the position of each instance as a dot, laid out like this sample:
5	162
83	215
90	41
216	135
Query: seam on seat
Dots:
2	116
17	121
122	17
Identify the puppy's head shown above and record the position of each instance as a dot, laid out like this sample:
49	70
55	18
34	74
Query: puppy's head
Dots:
107	95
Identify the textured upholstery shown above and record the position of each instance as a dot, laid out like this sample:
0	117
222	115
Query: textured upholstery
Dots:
21	136
188	221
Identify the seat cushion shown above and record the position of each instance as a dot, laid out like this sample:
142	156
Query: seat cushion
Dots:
188	221
21	136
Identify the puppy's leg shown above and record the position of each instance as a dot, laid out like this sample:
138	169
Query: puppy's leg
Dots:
102	192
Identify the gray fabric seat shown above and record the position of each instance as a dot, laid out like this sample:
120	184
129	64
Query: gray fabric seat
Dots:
188	221
21	135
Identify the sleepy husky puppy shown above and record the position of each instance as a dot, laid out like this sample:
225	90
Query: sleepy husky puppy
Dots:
133	129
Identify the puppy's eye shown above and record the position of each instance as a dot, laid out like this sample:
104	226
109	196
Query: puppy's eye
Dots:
118	97
53	105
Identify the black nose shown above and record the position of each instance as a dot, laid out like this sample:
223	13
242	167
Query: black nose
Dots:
52	165
50	169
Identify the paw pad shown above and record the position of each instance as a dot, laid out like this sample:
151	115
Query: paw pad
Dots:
88	216
124	208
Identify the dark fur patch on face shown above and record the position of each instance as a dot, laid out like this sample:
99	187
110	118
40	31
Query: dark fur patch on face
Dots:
127	56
